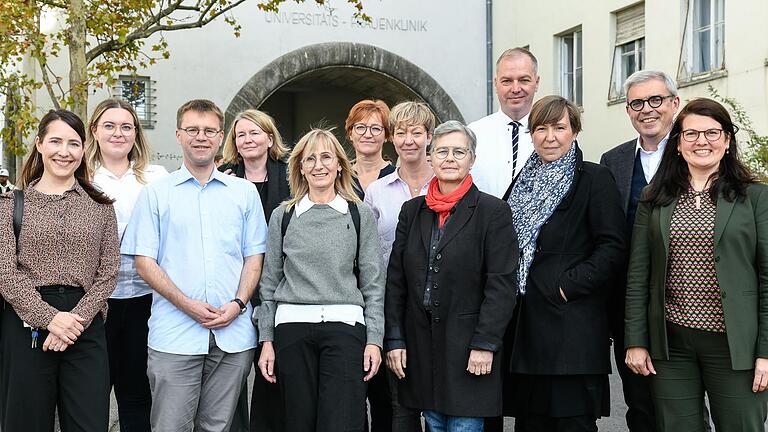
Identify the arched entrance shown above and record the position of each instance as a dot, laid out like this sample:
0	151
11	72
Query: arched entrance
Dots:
317	84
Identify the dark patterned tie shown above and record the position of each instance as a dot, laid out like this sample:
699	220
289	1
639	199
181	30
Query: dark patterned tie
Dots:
515	135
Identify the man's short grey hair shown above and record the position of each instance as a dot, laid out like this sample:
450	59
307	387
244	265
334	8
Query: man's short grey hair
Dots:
517	52
452	126
648	75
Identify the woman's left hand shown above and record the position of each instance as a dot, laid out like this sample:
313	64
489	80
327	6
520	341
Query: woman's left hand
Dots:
53	343
761	375
480	362
371	361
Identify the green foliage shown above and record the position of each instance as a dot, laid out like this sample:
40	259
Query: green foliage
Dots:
113	42
756	145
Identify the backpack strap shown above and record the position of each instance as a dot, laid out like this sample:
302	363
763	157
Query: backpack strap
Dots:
355	213
287	216
18	214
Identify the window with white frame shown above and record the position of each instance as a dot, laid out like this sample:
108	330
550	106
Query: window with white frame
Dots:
570	67
629	51
139	92
704	37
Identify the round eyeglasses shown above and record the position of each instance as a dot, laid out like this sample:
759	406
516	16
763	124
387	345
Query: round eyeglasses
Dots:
326	159
653	102
111	128
458	152
361	129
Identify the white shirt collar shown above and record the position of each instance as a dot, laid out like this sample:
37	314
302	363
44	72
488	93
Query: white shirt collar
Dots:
506	119
103	171
337	203
660	148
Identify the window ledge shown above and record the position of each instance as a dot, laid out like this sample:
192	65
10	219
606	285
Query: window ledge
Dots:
702	78
616	101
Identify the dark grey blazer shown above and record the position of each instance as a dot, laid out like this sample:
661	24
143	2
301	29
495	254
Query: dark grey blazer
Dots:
621	161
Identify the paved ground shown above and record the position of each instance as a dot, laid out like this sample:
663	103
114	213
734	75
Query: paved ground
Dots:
614	423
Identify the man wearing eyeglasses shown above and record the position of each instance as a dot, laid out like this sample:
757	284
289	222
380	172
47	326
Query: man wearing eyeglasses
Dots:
503	140
652	102
199	238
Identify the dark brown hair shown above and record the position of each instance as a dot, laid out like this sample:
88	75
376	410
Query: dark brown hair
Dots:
33	167
550	109
673	177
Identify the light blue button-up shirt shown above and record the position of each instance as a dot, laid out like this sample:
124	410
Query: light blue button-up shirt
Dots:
200	236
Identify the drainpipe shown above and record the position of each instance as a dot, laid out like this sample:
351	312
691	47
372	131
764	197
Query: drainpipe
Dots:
489	54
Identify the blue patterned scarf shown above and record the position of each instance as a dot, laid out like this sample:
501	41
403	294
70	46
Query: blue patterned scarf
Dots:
538	191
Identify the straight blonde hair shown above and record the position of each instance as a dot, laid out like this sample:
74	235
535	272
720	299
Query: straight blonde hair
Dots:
308	144
139	154
266	123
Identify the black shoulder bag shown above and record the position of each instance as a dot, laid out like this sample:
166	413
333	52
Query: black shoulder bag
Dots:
18	215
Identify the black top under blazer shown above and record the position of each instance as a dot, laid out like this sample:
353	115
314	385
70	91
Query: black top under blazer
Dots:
578	249
277	182
473	297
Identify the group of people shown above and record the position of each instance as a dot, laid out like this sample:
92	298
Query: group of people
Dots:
483	276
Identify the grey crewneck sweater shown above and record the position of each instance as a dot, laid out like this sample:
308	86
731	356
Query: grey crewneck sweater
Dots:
319	249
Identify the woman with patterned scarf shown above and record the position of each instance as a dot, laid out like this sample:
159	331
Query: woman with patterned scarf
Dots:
451	292
570	226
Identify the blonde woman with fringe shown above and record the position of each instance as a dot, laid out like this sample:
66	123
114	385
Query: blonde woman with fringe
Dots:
117	152
254	150
322	293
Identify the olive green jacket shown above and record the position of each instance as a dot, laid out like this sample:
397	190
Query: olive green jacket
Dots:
741	264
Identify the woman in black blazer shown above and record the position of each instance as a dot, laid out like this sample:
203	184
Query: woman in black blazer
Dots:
451	292
571	229
254	150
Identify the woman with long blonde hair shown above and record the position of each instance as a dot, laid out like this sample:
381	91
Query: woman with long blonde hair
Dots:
117	154
322	292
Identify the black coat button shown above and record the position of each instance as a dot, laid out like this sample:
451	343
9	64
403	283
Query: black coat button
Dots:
437	269
439	256
437	320
436	303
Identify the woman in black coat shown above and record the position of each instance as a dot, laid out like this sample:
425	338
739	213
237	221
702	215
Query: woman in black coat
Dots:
451	292
571	228
254	150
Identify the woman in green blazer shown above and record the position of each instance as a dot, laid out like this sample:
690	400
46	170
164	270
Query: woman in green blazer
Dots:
697	295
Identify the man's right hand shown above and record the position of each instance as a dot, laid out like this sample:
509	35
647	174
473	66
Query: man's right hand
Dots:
639	361
67	326
200	311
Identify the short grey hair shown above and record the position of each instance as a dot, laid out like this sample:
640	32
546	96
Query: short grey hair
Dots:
648	75
518	52
452	126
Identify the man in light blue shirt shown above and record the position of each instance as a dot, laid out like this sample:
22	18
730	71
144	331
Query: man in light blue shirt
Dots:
199	238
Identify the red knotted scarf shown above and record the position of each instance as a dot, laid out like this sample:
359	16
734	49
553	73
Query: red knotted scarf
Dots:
442	204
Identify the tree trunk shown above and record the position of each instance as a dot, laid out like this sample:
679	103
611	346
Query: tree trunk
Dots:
78	68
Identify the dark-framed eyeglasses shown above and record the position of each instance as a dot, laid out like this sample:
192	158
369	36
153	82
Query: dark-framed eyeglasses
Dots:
326	159
361	129
458	152
653	101
111	128
692	135
195	131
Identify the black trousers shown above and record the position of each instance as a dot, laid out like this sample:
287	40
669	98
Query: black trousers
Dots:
127	331
537	423
266	411
641	416
34	383
320	373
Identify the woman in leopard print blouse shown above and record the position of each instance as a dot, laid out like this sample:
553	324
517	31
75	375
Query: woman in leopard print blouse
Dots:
56	284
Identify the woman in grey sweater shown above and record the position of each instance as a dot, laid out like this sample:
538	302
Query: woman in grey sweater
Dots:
322	293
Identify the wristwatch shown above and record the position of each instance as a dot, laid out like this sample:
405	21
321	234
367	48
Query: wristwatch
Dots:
240	303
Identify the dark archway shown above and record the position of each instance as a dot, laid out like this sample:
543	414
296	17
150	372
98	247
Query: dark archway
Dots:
331	77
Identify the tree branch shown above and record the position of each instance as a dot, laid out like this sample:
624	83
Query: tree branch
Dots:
48	84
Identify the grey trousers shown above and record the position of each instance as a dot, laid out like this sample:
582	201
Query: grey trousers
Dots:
196	391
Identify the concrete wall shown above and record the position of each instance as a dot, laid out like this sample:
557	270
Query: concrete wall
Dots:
536	24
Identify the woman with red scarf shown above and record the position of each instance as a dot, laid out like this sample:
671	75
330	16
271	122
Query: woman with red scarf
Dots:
451	291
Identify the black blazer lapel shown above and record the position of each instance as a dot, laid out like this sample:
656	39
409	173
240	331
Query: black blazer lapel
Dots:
462	213
426	219
273	179
665	218
626	171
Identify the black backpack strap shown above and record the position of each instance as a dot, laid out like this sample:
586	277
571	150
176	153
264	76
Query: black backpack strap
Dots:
18	214
355	213
285	222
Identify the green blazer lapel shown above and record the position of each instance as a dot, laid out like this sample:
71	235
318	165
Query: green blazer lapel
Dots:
724	210
665	219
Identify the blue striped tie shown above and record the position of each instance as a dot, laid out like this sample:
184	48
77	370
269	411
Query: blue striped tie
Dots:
515	135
